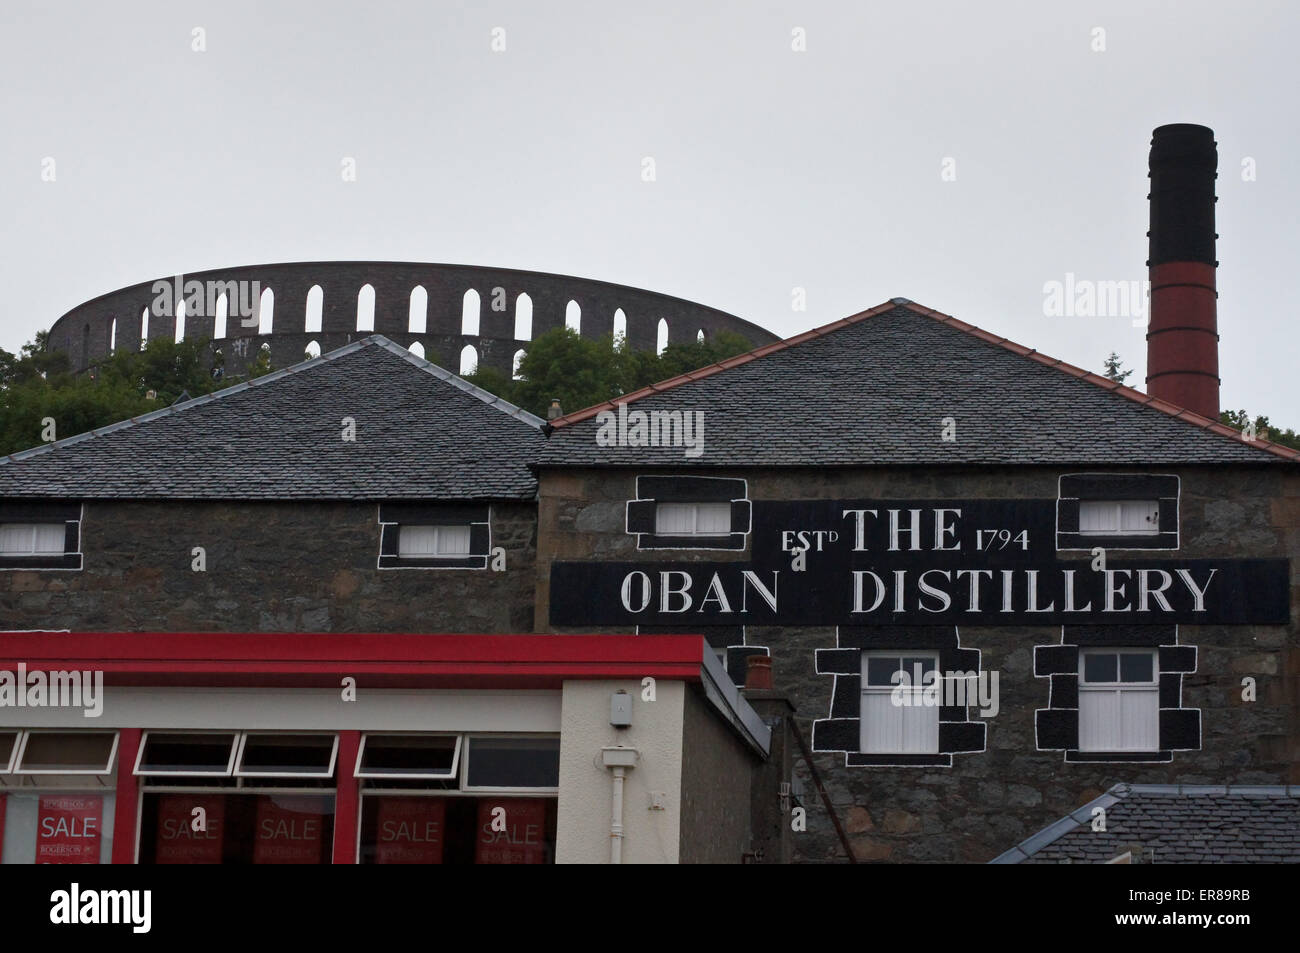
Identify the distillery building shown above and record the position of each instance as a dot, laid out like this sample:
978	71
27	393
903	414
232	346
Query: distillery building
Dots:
896	589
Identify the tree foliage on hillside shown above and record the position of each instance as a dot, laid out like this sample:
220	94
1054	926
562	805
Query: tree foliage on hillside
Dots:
1263	430
38	386
580	372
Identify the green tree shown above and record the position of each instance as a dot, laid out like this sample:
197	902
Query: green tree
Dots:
1113	365
1262	429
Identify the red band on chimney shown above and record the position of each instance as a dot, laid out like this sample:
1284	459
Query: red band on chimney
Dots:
1183	339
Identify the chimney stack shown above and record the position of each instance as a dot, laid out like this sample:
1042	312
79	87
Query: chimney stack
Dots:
1182	336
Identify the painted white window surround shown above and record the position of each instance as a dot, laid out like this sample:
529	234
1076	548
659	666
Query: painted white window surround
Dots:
1119	700
449	541
693	519
1119	517
32	539
888	727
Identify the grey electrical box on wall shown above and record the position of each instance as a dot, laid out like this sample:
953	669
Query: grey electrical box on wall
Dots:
620	709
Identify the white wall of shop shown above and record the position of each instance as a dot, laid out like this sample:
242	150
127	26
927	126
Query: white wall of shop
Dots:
652	836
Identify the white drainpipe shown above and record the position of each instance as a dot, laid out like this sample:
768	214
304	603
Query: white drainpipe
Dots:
619	760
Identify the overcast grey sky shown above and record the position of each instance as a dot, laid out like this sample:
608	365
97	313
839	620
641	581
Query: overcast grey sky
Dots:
820	169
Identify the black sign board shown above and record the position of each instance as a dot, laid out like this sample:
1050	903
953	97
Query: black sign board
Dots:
891	562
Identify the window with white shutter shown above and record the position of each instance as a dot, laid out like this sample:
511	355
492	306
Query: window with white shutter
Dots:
32	539
40	534
434	535
1119	700
693	519
896	717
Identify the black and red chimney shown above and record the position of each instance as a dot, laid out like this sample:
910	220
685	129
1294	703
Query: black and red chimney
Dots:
1182	336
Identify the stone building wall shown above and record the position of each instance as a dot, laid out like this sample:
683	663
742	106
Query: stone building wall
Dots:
988	801
270	567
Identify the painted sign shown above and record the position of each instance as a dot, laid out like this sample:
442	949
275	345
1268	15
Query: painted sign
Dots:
290	830
178	842
410	830
511	831
68	829
874	562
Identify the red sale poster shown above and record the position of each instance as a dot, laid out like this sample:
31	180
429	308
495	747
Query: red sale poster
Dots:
410	830
178	842
68	829
511	831
289	830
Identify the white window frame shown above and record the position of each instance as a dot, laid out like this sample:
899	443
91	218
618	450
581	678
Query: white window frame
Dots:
188	773
1087	688
21	750
889	690
7	767
466	787
694	506
35	527
450	775
437	534
241	772
1153	529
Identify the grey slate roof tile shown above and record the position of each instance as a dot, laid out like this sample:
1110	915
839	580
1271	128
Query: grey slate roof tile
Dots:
1176	825
876	391
421	433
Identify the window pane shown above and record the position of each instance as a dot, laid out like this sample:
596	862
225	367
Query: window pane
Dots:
1100	667
409	755
881	669
714	519
1139	516
286	754
453	540
56	751
1098	517
416	540
7	741
917	667
1137	668
675	519
514	762
50	538
194	753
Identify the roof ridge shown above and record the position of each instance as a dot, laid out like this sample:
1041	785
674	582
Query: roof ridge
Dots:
378	340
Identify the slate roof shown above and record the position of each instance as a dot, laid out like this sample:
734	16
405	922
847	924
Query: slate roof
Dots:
1174	824
875	388
421	433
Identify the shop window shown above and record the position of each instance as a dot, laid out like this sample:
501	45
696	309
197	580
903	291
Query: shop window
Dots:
57	827
409	756
286	755
434	536
191	754
1119	700
8	748
512	763
239	828
65	752
422	829
688	512
1117	511
897	717
38	535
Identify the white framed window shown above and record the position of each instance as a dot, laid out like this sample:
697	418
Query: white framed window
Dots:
433	757
1119	517
65	752
32	539
192	754
693	519
512	762
895	717
268	754
1119	700
8	748
447	542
